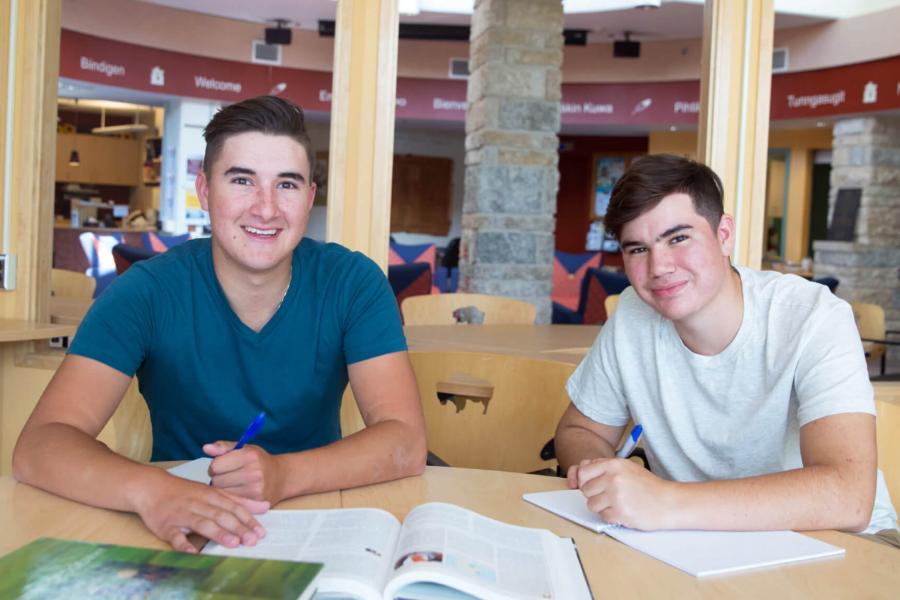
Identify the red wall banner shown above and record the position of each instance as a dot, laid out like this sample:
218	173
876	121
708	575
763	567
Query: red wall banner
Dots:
862	87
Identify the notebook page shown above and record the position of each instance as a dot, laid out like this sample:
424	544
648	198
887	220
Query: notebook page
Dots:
195	470
703	553
568	504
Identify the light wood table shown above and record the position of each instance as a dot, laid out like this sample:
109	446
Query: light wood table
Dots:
17	330
869	570
565	343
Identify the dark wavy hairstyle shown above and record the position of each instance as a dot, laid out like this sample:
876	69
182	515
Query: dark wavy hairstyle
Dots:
264	114
651	178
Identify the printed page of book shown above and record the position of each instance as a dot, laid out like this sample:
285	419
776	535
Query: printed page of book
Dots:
449	545
355	544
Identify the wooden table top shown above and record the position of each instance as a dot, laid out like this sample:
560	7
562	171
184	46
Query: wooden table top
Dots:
868	570
565	343
18	330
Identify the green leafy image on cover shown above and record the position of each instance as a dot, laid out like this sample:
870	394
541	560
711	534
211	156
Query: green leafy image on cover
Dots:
50	568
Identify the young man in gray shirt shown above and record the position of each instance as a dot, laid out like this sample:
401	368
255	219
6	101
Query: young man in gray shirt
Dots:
751	386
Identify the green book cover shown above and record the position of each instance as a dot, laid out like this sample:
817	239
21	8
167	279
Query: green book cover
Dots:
51	568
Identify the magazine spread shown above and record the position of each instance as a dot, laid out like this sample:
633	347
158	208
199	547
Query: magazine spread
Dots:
440	551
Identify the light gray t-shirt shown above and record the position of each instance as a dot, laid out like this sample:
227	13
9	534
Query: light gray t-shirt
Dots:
797	357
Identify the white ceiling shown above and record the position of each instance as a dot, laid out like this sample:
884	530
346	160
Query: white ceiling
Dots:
674	19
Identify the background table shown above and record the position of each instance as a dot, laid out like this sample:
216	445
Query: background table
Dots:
566	343
869	570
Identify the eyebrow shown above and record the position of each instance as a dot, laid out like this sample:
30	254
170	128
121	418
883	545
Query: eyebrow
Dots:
283	175
668	232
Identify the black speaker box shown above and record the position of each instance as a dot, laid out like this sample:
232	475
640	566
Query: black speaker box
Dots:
278	35
627	49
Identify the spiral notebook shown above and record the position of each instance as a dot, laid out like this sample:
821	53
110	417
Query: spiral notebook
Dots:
700	553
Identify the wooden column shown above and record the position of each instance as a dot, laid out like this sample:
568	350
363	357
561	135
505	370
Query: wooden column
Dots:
361	149
796	242
28	96
735	84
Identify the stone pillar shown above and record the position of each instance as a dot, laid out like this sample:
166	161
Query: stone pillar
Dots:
866	155
512	150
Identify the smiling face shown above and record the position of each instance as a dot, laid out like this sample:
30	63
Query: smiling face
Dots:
678	263
258	193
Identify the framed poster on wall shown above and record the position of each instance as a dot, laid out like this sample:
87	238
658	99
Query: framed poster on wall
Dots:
608	168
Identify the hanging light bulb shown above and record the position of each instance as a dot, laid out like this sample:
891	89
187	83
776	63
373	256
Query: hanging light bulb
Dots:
74	159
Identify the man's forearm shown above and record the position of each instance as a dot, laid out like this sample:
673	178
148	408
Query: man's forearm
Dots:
574	444
381	452
66	461
814	497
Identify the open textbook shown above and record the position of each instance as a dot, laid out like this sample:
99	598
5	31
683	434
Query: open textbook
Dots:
440	551
699	553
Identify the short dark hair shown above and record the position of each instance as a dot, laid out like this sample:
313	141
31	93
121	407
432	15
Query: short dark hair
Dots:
264	114
651	178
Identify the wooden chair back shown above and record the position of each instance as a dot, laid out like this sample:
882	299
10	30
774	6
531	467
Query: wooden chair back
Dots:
491	411
437	309
351	419
887	406
128	431
71	284
870	322
610	304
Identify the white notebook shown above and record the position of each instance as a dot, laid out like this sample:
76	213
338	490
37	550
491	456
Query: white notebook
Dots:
699	553
195	470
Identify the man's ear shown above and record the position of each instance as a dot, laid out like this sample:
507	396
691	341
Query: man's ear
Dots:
311	196
202	186
725	234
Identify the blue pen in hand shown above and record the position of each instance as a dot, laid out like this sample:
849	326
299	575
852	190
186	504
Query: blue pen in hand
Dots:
251	430
630	442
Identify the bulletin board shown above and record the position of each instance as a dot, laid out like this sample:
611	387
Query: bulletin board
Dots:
607	169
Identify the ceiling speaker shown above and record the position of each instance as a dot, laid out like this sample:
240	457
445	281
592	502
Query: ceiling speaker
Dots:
278	36
626	49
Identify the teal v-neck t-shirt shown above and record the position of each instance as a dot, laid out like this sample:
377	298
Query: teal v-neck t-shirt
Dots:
205	375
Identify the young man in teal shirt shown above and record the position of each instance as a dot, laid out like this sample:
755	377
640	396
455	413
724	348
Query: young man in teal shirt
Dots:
255	318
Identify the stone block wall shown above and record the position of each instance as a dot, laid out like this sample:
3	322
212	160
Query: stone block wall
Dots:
866	155
512	150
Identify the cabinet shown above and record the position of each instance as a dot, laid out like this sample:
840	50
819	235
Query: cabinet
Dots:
421	194
104	160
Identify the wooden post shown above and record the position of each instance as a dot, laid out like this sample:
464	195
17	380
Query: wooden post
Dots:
29	35
735	85
361	149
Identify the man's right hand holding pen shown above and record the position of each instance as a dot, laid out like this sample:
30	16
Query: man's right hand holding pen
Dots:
621	491
251	473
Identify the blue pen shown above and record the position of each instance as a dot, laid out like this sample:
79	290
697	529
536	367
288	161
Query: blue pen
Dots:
630	442
251	430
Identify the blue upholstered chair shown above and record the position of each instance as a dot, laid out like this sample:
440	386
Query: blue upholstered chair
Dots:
125	256
595	287
413	279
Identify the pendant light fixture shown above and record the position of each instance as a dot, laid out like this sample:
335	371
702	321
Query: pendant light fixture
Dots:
74	159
